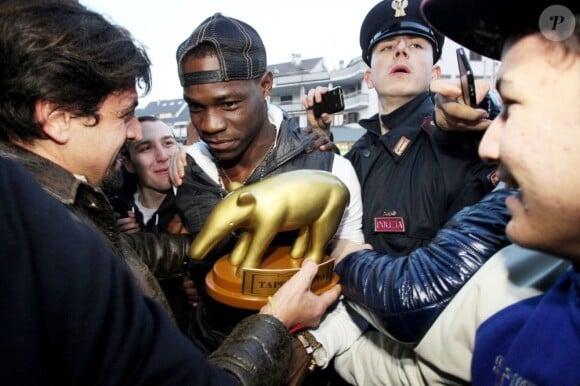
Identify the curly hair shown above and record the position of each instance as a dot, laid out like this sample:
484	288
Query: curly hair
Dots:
63	53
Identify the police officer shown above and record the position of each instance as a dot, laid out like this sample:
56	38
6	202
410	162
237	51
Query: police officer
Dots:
413	175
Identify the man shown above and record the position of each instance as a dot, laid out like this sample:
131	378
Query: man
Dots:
222	68
147	202
533	142
71	133
413	176
73	315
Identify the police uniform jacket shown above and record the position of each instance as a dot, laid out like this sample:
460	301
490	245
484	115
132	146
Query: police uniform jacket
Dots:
415	177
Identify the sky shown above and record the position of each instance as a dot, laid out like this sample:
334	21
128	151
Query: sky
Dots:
313	28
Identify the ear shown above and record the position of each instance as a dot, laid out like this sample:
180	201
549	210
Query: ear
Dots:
55	123
266	83
436	71
369	79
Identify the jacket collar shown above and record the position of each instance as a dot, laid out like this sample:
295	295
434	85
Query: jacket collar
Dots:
55	180
289	142
404	125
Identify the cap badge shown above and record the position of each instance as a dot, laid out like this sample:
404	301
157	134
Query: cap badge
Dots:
399	7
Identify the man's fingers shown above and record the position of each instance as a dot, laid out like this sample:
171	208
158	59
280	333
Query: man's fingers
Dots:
445	88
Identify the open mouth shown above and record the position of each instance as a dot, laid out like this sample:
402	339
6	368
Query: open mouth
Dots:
400	70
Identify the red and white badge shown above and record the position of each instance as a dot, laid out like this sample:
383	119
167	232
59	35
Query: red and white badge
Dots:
389	224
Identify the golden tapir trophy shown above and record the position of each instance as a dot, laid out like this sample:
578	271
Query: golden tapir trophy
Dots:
309	201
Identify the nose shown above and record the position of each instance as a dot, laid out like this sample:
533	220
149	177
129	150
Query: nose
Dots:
161	153
401	48
212	122
489	145
134	131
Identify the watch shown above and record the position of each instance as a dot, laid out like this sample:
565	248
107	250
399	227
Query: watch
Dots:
314	348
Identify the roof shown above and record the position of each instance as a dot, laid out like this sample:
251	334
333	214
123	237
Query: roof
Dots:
298	66
171	111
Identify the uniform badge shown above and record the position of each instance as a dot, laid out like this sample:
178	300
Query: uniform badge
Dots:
401	145
399	7
389	223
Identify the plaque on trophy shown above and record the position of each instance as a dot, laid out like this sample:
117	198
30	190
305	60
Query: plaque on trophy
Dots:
310	202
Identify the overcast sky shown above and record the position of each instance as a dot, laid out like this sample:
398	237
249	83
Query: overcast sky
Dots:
312	28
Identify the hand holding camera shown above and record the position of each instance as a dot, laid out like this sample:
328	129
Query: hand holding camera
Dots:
320	103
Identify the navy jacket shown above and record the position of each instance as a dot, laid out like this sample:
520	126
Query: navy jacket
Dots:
402	296
71	314
533	342
416	175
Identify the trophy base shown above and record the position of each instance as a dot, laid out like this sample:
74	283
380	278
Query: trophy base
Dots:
250	287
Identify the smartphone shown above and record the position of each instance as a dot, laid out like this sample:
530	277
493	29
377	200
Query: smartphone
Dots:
332	102
466	78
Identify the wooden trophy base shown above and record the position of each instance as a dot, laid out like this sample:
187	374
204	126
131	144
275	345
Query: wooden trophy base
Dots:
250	287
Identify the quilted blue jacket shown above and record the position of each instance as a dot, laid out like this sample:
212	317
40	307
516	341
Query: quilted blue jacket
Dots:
402	296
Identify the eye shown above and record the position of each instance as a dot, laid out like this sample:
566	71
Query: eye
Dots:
507	105
143	148
387	47
194	108
230	105
504	114
128	116
170	143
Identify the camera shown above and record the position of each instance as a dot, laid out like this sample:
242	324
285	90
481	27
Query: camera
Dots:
332	102
466	78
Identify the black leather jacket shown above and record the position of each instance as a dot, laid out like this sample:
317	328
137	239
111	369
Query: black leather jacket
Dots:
402	296
148	256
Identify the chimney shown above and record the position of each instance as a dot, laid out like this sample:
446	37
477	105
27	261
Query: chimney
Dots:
296	59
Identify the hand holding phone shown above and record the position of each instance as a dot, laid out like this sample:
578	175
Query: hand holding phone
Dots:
466	78
332	102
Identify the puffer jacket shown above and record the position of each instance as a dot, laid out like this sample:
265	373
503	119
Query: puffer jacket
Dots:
402	296
148	256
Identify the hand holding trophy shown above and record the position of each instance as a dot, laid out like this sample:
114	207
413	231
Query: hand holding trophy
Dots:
309	201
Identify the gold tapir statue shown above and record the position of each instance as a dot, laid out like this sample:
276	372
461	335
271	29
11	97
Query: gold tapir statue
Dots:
310	201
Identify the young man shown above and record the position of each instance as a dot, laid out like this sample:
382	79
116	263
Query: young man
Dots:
66	110
534	142
223	71
413	175
147	202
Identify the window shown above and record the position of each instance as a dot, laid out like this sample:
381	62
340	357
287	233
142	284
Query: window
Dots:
352	117
286	99
474	56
